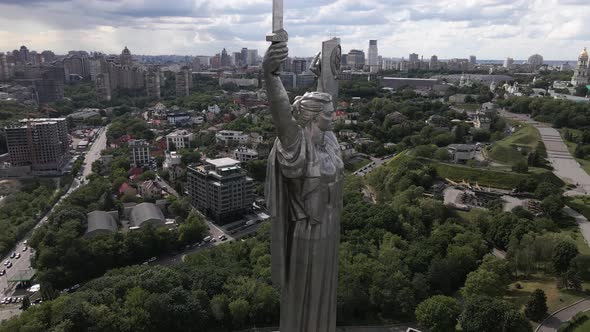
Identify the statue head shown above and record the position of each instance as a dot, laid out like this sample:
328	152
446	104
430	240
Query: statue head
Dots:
314	112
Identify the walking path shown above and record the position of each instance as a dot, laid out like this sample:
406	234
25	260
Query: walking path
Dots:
564	164
552	323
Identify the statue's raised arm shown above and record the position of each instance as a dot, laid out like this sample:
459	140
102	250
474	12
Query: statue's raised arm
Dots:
280	108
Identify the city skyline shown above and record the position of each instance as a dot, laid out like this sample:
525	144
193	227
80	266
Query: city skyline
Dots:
493	29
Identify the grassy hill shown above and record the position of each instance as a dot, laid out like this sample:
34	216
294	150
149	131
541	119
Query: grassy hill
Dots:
484	177
507	151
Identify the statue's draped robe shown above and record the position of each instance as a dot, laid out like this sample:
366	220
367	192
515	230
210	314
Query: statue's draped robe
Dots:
305	207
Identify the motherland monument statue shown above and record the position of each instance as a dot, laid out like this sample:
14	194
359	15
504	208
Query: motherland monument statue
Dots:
304	188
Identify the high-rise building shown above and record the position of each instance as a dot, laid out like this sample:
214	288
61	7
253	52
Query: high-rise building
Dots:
236	59
221	189
535	61
76	66
581	73
373	55
299	65
4	70
252	57
244	57
183	78
433	65
103	87
48	56
356	59
42	144
23	54
225	59
139	150
414	57
126	59
216	61
152	83
508	63
472	60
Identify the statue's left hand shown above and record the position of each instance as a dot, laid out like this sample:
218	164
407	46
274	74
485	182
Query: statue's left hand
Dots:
315	66
275	55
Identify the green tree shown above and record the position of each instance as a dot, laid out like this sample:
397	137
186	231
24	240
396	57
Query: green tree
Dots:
442	154
239	311
26	302
552	205
536	307
482	282
438	313
192	229
520	167
219	307
563	254
485	314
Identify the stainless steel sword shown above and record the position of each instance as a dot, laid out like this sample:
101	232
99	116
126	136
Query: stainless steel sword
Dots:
278	32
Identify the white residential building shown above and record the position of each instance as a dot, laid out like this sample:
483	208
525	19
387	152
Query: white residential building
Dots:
180	139
227	136
244	154
139	150
172	159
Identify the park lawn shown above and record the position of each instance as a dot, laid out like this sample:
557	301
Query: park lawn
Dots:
580	204
484	177
505	150
573	232
585	327
556	298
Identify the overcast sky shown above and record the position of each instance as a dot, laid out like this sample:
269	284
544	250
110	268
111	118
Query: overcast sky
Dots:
489	29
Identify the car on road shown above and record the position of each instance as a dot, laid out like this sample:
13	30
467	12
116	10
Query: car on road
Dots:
17	256
25	242
222	237
3	300
25	248
2	272
6	263
9	265
152	259
12	255
206	239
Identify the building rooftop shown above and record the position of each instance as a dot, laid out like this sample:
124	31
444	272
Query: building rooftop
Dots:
222	162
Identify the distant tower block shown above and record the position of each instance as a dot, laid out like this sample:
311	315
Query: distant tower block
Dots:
183	78
103	87
152	83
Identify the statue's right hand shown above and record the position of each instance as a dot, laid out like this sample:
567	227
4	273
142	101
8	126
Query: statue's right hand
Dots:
275	55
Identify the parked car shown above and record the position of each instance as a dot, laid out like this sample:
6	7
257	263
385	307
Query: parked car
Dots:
2	272
17	256
9	265
3	300
25	248
13	255
152	259
207	239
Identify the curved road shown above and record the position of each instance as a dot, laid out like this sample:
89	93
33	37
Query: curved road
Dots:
552	323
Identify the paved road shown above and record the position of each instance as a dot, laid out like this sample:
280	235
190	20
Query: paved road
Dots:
552	323
24	263
564	164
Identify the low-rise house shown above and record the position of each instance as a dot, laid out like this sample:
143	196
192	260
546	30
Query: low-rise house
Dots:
244	154
150	189
172	159
438	122
127	189
347	150
461	153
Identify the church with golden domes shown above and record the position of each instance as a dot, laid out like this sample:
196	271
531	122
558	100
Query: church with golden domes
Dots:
581	72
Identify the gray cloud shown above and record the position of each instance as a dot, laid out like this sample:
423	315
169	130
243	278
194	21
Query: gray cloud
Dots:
450	27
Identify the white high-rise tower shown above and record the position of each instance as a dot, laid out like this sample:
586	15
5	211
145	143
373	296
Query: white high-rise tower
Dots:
373	56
